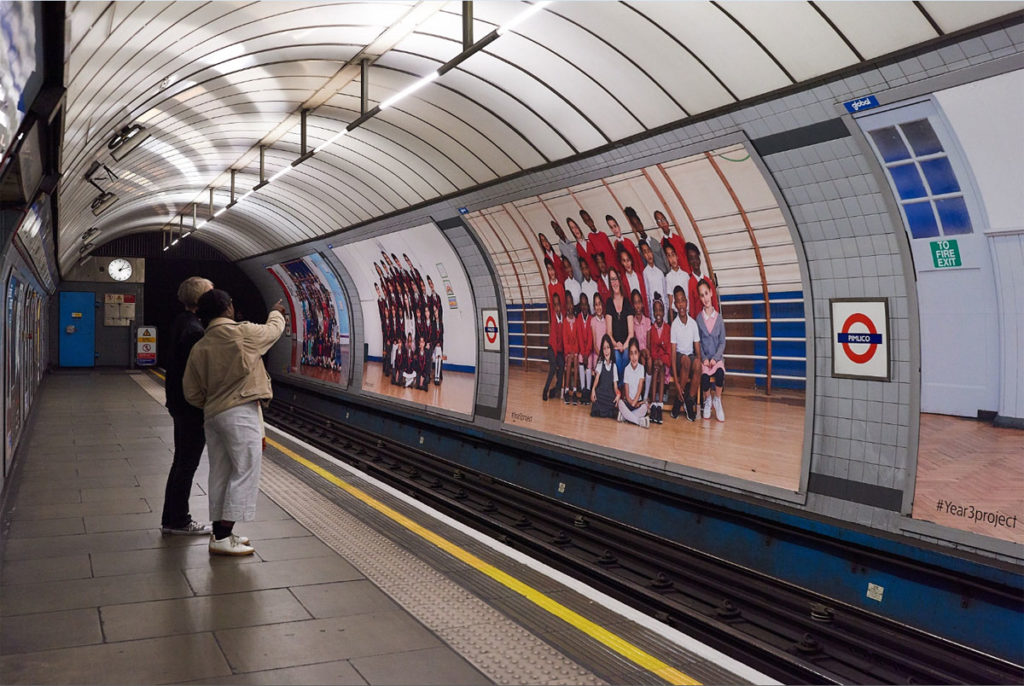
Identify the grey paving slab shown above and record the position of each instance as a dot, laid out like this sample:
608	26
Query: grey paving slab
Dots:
122	522
206	613
91	495
49	630
274	528
281	574
33	482
57	465
47	569
76	593
343	599
50	496
60	546
162	559
292	548
150	661
32	528
340	672
320	640
438	666
62	510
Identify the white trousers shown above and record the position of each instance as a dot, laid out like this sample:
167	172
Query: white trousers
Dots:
234	439
633	416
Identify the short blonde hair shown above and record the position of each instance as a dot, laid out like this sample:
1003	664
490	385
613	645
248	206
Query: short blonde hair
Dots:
191	289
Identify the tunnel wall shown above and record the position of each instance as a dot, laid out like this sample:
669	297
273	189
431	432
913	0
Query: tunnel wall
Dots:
861	436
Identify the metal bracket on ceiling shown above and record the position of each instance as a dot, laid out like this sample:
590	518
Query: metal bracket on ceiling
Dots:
232	187
303	116
467	24
364	85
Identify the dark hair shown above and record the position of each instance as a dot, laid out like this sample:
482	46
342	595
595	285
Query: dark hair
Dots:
633	342
548	262
630	212
212	304
623	251
677	290
704	282
610	218
692	246
611	348
636	294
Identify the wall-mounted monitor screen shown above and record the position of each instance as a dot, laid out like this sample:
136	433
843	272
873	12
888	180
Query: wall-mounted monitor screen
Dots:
418	318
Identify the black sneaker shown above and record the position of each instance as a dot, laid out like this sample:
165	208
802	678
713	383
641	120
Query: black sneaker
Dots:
193	528
675	411
691	409
658	411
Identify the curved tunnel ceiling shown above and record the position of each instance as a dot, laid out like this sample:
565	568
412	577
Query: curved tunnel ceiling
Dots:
211	82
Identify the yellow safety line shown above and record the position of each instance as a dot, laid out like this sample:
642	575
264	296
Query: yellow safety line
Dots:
595	631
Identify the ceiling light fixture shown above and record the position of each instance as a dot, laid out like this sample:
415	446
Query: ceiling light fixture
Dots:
330	140
522	16
126	140
281	173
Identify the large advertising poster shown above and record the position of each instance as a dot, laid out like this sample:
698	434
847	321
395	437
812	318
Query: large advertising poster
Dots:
418	314
658	312
319	321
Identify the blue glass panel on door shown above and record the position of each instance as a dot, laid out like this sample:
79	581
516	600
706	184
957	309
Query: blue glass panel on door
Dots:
922	137
889	144
953	215
908	181
921	219
940	176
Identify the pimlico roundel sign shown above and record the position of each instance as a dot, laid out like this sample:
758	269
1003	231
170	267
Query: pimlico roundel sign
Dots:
860	338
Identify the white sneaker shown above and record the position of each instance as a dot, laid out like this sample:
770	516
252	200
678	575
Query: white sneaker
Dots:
719	410
230	545
707	407
645	422
620	418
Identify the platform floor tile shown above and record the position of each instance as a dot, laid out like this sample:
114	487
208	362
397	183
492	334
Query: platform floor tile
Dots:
92	592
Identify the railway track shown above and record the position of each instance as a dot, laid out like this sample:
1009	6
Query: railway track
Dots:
786	632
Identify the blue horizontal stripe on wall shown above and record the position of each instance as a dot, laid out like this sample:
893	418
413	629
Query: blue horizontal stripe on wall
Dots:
779	310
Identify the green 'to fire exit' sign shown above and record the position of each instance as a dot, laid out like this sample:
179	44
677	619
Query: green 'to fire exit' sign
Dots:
945	254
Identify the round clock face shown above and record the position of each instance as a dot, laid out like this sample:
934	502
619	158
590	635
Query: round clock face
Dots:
120	269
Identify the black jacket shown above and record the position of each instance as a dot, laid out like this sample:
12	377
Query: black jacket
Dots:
185	333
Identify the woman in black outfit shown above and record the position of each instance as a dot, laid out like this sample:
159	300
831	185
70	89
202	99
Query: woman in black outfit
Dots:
619	320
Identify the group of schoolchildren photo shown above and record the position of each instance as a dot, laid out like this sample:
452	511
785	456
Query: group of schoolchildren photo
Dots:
321	334
411	324
632	322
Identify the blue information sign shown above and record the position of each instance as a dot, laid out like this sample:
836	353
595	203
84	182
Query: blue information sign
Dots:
463	210
863	103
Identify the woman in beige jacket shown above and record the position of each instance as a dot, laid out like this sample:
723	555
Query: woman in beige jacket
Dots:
225	377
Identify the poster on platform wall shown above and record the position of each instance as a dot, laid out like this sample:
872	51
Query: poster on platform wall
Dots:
686	225
318	319
419	324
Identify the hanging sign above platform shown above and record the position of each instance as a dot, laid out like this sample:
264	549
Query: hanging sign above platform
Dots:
860	338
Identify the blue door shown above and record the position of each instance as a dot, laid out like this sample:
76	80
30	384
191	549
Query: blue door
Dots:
77	329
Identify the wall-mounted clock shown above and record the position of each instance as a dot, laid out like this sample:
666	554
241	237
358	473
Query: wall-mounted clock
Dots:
120	269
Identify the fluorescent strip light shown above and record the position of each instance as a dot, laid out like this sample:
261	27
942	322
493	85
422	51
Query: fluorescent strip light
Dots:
409	90
220	212
330	140
523	16
282	172
174	242
244	197
166	248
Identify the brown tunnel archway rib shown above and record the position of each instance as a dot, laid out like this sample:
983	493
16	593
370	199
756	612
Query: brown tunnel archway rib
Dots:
519	284
689	215
760	268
